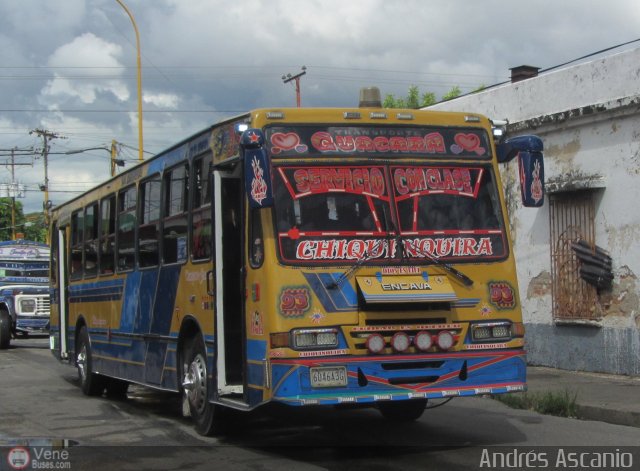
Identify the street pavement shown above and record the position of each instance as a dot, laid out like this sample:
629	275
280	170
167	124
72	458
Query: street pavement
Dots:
614	399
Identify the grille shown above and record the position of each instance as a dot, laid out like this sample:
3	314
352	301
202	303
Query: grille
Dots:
43	305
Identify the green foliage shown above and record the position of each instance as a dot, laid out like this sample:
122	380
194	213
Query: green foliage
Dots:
414	100
451	94
428	99
32	226
562	404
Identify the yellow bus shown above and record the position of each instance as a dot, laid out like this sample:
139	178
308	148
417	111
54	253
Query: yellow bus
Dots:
304	256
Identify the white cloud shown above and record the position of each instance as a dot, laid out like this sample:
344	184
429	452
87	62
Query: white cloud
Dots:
86	67
161	100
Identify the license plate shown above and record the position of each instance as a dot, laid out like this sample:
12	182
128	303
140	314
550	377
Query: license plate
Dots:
328	377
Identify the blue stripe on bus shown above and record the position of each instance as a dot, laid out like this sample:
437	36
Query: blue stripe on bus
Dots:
256	350
339	299
110	290
163	285
173	156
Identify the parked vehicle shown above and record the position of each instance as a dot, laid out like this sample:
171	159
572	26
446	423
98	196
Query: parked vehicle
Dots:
24	289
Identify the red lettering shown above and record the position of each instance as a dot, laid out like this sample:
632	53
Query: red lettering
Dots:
435	143
302	180
400	180
364	144
323	141
484	247
415	144
345	143
398	144
381	144
434	180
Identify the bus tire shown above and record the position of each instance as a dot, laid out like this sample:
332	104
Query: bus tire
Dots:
92	384
5	329
403	411
207	417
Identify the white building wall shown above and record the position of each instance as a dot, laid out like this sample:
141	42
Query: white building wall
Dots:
588	117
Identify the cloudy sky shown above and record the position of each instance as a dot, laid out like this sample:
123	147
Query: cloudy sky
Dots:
69	66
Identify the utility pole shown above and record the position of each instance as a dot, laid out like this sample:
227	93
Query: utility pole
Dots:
114	155
46	136
288	78
13	197
14	188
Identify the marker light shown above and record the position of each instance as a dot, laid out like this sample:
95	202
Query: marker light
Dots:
423	341
445	340
400	341
375	343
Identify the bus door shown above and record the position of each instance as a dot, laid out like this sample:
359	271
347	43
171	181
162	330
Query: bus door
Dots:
58	267
229	280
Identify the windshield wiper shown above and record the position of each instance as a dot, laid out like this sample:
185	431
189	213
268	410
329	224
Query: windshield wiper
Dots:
436	261
353	268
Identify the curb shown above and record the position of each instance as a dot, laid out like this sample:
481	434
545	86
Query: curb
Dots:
610	416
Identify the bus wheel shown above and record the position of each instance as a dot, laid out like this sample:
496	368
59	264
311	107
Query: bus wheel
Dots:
403	411
91	383
206	416
5	329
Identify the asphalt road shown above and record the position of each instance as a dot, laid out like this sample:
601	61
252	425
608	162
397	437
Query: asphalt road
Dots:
42	408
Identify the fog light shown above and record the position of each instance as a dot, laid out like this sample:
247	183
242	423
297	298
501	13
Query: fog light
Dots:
423	340
400	342
375	343
445	340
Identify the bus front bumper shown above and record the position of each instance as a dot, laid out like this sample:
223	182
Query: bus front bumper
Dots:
33	325
367	379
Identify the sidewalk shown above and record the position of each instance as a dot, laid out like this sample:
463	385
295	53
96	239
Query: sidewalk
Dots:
602	397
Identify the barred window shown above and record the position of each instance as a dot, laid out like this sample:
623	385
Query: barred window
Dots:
571	219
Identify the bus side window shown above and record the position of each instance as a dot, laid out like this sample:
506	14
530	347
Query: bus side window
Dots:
107	235
148	250
91	240
201	236
126	228
174	233
77	239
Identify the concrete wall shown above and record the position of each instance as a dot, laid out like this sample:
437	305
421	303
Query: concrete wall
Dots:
588	116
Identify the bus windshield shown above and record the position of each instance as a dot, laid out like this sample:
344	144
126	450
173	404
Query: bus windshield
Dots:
403	213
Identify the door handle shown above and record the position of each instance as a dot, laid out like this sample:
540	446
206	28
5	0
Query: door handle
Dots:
210	283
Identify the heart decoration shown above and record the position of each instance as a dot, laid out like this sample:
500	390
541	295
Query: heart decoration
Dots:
284	141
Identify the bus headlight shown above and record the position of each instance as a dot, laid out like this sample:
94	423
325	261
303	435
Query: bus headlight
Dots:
27	305
314	338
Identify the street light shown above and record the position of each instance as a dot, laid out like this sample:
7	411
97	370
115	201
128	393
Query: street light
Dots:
135	28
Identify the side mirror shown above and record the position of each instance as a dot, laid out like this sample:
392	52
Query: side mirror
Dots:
528	149
531	169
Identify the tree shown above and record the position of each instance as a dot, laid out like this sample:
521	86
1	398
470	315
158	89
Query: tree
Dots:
451	94
32	225
413	99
